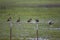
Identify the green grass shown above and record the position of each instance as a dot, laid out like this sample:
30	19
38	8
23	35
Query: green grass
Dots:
31	1
43	14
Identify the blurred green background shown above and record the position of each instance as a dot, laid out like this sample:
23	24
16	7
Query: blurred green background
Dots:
44	14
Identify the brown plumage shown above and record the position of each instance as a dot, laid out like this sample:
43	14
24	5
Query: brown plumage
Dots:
18	20
37	20
29	20
9	19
